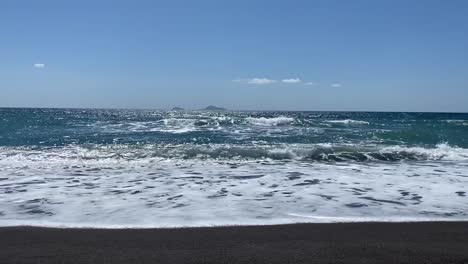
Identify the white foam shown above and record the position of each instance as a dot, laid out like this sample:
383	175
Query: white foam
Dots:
458	122
155	192
393	219
349	122
441	152
148	153
167	125
274	121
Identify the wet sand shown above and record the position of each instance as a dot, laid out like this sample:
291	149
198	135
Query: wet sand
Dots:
430	242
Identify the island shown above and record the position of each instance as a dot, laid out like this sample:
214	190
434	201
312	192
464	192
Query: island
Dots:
214	108
177	109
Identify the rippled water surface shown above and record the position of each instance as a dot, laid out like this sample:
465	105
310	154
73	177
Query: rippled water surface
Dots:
142	168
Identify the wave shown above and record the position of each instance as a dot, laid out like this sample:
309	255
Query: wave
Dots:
455	121
328	152
441	152
167	125
305	153
174	125
139	221
349	122
458	122
274	121
177	125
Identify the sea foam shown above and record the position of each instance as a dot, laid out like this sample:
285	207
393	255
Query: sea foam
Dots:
274	121
349	122
174	193
148	168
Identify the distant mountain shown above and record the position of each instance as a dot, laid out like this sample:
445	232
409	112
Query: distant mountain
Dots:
214	108
178	109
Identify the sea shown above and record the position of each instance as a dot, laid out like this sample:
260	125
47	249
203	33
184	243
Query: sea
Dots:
152	168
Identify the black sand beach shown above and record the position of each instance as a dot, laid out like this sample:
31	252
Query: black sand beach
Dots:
430	242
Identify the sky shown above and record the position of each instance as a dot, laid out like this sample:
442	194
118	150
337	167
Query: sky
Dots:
348	55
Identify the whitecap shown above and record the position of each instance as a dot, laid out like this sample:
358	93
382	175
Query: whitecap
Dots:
349	122
442	151
274	121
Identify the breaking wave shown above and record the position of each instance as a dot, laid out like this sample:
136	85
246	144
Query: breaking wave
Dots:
149	168
274	121
349	122
306	153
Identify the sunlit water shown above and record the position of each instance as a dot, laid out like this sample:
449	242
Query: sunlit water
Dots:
135	168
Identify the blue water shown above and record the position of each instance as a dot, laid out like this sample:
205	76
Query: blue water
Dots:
352	132
87	167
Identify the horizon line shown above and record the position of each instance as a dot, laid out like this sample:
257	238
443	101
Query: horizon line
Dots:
227	110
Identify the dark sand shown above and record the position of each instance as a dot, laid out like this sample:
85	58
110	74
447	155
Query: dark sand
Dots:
413	243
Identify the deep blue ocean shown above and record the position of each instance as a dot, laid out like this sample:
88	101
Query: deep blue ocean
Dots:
138	168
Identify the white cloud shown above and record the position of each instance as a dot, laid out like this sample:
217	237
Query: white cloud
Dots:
270	81
256	81
311	83
293	80
39	65
260	81
336	85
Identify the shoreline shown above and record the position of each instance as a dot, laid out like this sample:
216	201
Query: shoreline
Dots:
363	242
319	220
343	220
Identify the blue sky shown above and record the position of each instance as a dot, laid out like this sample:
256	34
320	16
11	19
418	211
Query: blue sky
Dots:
285	55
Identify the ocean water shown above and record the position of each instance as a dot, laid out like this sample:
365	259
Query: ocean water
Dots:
146	168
